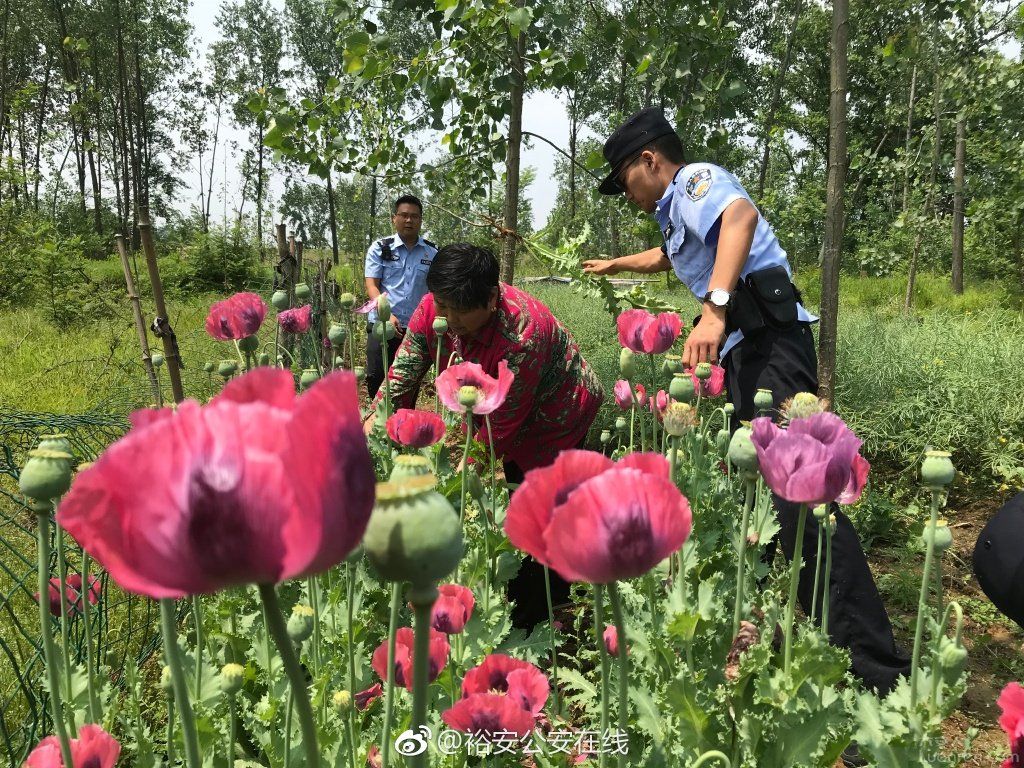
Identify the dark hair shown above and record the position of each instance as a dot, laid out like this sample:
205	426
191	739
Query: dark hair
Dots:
668	146
411	200
463	275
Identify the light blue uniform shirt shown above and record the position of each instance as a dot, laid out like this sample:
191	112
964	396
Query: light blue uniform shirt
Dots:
688	215
404	280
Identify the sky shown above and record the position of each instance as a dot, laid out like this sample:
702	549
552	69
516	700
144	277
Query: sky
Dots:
543	114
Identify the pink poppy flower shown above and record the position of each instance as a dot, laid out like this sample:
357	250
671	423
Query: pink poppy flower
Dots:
710	387
452	609
623	395
365	309
403	656
236	317
94	748
597	521
374	758
1011	702
858	479
491	392
519	680
415	429
488	714
258	486
72	593
645	333
658	403
295	320
812	461
365	698
611	640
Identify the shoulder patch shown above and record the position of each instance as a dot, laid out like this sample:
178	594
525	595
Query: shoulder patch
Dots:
698	185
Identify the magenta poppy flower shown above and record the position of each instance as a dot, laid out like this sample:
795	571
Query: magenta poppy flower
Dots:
371	304
258	486
415	429
365	698
812	461
488	715
1011	702
72	593
236	317
598	521
712	386
94	748
404	654
658	403
623	394
611	640
643	332
858	479
452	609
295	320
374	758
491	392
519	680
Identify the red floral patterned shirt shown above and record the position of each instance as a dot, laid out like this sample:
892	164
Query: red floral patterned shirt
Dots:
555	394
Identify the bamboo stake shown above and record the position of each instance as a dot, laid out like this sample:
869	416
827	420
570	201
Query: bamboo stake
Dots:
140	321
162	323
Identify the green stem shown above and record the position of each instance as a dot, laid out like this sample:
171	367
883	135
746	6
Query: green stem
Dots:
232	730
922	602
936	697
632	422
422	599
654	398
197	617
437	372
314	599
289	706
238	351
387	379
350	588
170	729
42	509
712	755
742	559
599	638
389	695
188	722
296	678
90	662
551	639
65	636
351	341
620	627
674	458
488	523
462	493
794	579
817	568
826	594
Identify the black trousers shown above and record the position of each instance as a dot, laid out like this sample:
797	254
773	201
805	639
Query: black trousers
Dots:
786	363
375	371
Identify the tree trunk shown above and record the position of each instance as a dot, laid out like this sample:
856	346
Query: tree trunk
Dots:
958	206
43	101
213	165
906	143
373	210
573	139
773	107
259	187
929	200
515	138
332	212
834	202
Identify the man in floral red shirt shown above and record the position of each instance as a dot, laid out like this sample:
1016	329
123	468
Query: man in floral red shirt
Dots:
554	396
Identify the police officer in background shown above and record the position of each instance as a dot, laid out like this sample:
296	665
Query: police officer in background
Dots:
396	265
751	320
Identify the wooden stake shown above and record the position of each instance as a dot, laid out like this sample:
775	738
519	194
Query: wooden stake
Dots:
161	323
140	321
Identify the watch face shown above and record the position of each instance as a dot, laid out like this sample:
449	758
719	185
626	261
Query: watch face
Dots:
719	297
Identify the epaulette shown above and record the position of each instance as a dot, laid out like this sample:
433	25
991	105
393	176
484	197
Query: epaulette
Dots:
430	243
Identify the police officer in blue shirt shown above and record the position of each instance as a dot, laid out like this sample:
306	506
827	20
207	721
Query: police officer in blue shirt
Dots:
751	320
396	265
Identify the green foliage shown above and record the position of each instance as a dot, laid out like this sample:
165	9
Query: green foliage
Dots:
218	260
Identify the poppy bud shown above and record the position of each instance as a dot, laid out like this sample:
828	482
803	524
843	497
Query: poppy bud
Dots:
166	683
681	388
308	378
46	475
468	396
249	343
742	452
474	485
937	469
670	366
627	364
231	678
679	418
729	409
302	291
383	308
620	425
341	701
227	368
606	436
820	512
414	534
409	465
952	658
941	535
702	371
346	301
209	367
263	359
300	623
336	334
763	400
722	442
156	359
280	300
440	325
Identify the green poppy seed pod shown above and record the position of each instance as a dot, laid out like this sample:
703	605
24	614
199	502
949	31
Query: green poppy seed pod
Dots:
336	334
166	682
763	400
383	308
390	331
941	534
627	364
231	678
679	418
722	442
820	512
474	485
300	623
227	368
360	373
703	370
742	452
670	366
468	396
156	359
681	389
341	701
937	469
440	325
339	361
263	359
308	378
346	301
279	300
729	409
606	436
302	291
414	533
952	658
380	330
46	474
410	465
56	442
209	367
620	425
249	343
